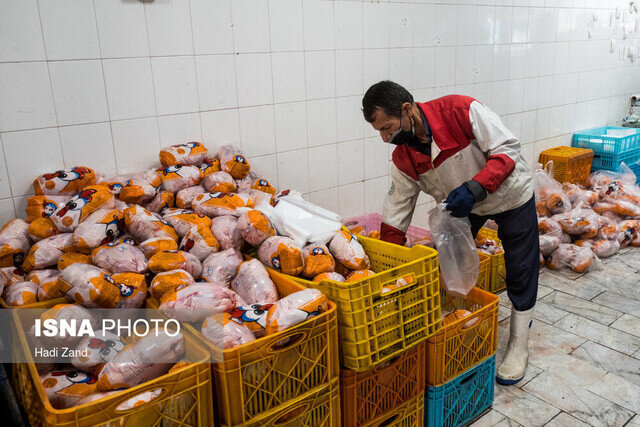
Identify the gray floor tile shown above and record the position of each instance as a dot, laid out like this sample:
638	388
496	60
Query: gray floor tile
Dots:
582	308
609	337
572	287
635	422
543	290
629	324
611	279
609	360
494	419
523	407
618	302
565	420
548	314
503	313
618	390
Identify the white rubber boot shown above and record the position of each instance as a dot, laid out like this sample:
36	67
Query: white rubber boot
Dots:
514	363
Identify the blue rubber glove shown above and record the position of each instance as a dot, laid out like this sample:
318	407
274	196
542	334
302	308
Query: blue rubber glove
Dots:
461	200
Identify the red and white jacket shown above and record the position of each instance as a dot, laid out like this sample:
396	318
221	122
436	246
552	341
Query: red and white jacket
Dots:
469	141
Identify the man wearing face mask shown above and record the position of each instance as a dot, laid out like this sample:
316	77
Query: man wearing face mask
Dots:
459	152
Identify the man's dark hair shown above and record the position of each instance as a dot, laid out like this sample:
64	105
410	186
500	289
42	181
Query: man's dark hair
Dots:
386	95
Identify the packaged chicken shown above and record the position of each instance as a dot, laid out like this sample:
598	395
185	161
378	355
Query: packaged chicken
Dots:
579	221
620	190
21	293
253	316
210	166
233	162
10	276
133	289
608	229
337	277
216	204
97	351
184	220
602	248
243	185
116	184
579	259
47	281
359	275
282	254
186	195
549	243
42	228
67	312
174	260
295	308
64	182
47	252
141	187
81	206
317	260
549	226
148	358
14	243
222	331
162	201
89	285
69	258
194	303
219	182
43	206
65	388
487	245
255	227
120	258
178	177
200	242
101	227
222	267
346	248
152	246
282	193
168	281
628	232
263	185
225	229
190	153
253	283
259	197
620	207
579	195
456	315
144	225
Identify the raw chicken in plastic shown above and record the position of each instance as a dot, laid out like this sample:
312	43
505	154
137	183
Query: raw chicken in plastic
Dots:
255	227
225	229
578	195
68	258
183	220
14	243
253	316
317	260
47	281
216	204
346	248
101	227
120	258
47	252
550	198
618	206
152	246
549	243
253	283
133	289
579	259
66	312
42	228
65	388
263	185
210	166
222	331
233	162
220	268
144	225
173	260
282	254
194	303
200	242
162	201
79	207
21	293
141	188
44	206
116	184
359	275
219	182
295	308
178	177
186	195
608	229
89	285
579	221
98	350
628	232
190	153
65	182
337	277
243	185
168	281
603	248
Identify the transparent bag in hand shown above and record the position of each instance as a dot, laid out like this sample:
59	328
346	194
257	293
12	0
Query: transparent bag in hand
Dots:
457	254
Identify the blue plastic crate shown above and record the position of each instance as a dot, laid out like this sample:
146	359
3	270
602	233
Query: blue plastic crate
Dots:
463	398
609	151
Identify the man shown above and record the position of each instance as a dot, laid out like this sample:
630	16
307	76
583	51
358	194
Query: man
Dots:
459	152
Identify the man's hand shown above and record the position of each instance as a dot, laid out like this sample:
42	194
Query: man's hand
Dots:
461	200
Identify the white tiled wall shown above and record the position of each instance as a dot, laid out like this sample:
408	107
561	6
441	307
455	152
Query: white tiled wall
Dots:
106	83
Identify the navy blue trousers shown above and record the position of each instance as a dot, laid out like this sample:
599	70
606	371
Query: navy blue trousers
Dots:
518	230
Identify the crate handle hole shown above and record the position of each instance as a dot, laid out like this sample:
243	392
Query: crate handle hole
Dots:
131	402
287	342
469	378
293	413
389	421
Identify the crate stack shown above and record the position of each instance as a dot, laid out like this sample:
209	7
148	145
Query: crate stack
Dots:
493	279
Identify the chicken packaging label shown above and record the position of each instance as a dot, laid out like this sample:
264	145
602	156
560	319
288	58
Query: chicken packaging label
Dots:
179	177
79	207
66	181
44	206
295	308
233	162
190	153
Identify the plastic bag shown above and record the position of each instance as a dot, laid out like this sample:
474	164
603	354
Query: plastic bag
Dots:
42	228
459	262
295	308
190	153
220	182
162	201
253	283
549	195
186	195
178	177
579	259
233	162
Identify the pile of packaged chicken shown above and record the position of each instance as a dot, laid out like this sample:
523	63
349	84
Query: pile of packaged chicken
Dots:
580	225
174	233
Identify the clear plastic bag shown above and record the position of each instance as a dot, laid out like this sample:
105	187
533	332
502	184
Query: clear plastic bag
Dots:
459	263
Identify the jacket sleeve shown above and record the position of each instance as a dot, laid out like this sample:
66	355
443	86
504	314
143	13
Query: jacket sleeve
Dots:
398	207
500	146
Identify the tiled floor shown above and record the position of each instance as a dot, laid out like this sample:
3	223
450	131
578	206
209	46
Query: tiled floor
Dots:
584	365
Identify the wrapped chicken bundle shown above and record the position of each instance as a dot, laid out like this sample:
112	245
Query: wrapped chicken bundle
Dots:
175	260
346	248
190	153
243	185
47	252
549	195
233	162
620	190
101	227
41	229
277	196
69	258
183	220
359	275
216	204
222	267
44	206
186	195
10	276
337	277
141	188
178	177
487	245
99	350
578	195
65	388
579	259
282	254
162	201
607	229
219	182
602	248
259	197
628	232
47	281
120	258
253	316
89	285
66	312
133	289
14	243
295	308
196	302
79	207
317	260
253	283
97	396
200	242
150	357
549	226
152	246
263	185
21	293
621	207
548	244
255	227
210	166
64	182
221	329
579	221
116	184
144	225
225	229
169	281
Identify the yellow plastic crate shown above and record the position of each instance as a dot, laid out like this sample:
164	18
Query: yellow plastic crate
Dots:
185	399
571	164
374	326
484	275
411	414
497	271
